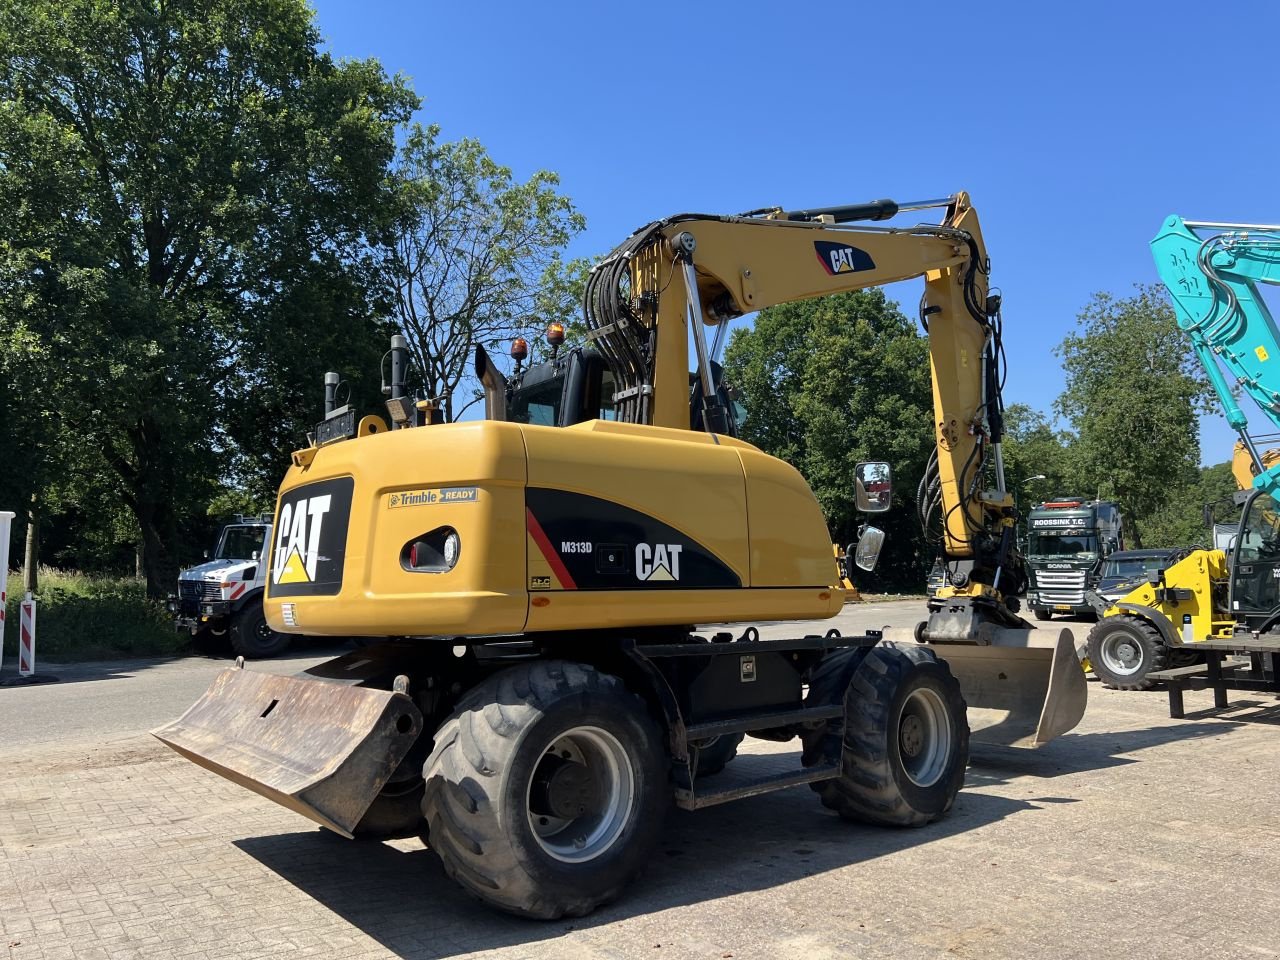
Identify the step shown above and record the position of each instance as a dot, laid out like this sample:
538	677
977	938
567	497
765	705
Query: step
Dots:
689	800
761	721
1194	670
749	647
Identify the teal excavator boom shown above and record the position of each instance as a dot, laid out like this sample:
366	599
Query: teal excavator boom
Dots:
1212	271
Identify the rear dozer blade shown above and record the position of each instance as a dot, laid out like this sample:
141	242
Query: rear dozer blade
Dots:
321	749
1023	686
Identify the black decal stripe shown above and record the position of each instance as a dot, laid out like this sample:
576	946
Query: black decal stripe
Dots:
614	532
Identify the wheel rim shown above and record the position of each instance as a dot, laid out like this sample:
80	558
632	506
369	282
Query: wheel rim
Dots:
924	737
264	632
581	794
1121	653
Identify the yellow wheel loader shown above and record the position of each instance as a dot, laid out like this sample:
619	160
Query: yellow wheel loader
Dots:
541	695
1202	602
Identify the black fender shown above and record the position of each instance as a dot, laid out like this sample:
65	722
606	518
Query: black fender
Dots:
1155	618
248	597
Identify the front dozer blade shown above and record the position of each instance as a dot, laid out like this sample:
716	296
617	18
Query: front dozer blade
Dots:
1023	686
321	749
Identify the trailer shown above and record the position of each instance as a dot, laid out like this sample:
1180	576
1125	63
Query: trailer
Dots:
1228	665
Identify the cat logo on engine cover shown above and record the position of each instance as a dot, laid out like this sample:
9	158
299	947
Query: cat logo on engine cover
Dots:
310	539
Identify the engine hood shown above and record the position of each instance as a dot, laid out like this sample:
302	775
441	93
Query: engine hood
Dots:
218	570
1113	588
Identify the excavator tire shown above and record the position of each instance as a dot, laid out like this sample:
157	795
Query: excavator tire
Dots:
904	742
546	790
395	813
716	753
709	756
1124	649
252	637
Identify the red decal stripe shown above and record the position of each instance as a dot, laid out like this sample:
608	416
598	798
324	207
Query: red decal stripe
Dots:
237	591
548	551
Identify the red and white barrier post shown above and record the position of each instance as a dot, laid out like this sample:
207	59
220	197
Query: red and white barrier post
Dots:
27	637
6	518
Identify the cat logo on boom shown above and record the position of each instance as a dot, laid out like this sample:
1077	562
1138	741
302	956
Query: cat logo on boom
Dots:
298	542
659	561
837	258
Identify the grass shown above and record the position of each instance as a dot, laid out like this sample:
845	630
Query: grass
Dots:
82	616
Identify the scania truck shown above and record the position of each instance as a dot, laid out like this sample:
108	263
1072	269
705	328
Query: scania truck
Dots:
1067	540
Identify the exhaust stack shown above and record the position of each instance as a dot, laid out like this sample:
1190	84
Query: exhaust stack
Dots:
495	386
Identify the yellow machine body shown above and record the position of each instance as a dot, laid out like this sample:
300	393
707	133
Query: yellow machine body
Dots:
1192	598
644	522
558	529
608	531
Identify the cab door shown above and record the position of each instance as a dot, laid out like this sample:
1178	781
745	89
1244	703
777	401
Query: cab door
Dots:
1255	562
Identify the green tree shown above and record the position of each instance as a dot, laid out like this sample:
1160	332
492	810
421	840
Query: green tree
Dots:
1180	521
190	197
829	382
1134	391
1037	458
477	260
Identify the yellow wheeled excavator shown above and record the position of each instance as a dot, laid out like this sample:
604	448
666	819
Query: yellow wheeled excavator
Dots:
541	693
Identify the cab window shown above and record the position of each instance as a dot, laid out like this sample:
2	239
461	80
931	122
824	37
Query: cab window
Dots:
608	387
538	404
1260	532
241	543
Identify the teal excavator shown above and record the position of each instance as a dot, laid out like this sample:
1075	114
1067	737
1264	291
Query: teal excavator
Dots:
1212	271
1209	605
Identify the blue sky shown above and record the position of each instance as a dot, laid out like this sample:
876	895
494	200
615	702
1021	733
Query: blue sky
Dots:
1076	127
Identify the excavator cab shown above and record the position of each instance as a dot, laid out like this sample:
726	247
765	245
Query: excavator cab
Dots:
576	386
572	387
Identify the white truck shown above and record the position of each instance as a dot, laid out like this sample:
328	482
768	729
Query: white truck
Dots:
222	597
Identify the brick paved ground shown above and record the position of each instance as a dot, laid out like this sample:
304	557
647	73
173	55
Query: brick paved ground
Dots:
1136	837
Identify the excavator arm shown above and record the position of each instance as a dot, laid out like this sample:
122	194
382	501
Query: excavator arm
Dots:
680	276
1212	271
687	273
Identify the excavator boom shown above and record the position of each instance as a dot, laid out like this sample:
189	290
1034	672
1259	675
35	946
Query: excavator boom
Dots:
683	274
1212	271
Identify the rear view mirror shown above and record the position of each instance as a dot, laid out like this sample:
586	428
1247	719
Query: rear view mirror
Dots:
869	545
873	486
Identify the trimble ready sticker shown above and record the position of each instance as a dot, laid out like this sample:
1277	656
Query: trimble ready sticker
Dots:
310	539
426	498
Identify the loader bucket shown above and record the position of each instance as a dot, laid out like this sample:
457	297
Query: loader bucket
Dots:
322	749
1023	686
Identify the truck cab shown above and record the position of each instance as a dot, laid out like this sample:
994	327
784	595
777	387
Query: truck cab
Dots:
222	597
1067	541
